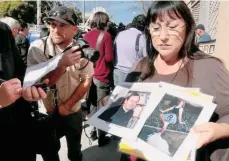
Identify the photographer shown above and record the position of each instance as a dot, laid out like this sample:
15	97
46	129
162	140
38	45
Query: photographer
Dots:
72	78
15	113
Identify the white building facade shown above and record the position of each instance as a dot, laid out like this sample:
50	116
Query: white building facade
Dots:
206	13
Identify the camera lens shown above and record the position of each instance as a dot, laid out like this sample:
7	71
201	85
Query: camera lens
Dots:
91	54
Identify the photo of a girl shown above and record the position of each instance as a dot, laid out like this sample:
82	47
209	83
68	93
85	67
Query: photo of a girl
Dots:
172	115
168	125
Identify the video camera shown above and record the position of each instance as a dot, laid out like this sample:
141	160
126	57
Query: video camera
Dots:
88	53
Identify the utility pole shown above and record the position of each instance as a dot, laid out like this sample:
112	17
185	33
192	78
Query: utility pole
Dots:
84	15
38	12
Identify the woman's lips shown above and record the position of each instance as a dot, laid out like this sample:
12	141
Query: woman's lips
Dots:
164	46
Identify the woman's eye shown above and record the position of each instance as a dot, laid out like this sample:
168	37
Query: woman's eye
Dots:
172	27
156	28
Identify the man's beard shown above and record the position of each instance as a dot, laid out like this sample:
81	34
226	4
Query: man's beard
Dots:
59	42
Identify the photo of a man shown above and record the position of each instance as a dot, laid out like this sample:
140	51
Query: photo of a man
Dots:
121	115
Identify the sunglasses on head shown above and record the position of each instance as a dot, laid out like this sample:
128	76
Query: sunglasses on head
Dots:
63	14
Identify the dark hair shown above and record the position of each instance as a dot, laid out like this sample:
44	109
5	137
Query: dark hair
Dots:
139	22
100	20
44	32
121	27
112	29
23	25
132	94
129	25
179	101
173	9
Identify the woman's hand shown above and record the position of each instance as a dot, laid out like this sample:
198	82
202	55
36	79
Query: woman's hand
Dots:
10	91
210	132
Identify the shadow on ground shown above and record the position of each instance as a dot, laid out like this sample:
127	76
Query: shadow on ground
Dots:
106	153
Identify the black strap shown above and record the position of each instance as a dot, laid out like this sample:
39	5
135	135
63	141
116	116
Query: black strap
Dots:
53	87
1	66
45	44
137	42
99	40
84	66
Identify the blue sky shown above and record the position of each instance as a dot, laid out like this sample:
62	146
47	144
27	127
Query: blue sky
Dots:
120	11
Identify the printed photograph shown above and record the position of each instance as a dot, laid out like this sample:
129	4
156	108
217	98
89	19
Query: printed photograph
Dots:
170	122
126	111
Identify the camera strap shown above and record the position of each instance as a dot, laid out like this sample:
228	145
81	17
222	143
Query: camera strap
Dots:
81	68
44	40
99	40
52	88
1	66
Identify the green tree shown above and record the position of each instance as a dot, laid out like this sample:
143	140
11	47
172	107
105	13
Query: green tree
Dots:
78	14
22	11
6	6
25	11
72	4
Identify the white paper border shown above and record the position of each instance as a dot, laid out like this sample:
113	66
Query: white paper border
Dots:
183	151
115	129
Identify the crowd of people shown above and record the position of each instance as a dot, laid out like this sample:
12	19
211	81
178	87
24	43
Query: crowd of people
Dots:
160	46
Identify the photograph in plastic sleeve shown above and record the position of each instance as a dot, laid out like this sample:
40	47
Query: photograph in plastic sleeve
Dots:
169	124
126	111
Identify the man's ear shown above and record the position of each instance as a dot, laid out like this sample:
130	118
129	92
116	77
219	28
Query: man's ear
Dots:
75	29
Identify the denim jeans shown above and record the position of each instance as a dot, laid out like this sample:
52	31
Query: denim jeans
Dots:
119	77
102	89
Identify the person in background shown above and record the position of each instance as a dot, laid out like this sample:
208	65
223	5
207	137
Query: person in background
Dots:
173	57
22	41
112	29
121	27
129	47
12	23
203	36
103	76
44	32
16	135
72	79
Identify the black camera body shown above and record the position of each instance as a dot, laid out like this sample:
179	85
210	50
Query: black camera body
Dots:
87	52
44	86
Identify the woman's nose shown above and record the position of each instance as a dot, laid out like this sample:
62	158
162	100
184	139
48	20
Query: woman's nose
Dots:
164	35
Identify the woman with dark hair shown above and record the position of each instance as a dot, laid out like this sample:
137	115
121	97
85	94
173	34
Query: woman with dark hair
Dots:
99	39
173	57
100	21
139	22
